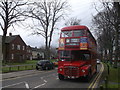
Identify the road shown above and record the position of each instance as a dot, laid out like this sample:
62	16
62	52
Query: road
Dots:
46	79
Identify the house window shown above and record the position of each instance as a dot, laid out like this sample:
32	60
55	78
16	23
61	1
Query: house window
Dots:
29	51
23	47
13	46
18	47
12	56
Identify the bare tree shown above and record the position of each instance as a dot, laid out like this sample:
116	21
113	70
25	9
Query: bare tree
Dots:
116	7
105	34
48	14
53	52
108	24
72	21
10	13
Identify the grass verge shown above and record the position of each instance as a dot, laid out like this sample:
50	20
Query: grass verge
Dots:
21	68
113	77
27	62
17	68
25	66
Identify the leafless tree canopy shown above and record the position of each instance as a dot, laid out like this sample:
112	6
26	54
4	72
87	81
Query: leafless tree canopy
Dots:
10	13
73	21
107	23
48	14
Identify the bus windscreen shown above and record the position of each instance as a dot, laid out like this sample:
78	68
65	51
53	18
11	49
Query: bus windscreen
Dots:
73	33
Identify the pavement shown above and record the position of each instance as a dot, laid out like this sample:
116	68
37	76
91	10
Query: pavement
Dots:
18	74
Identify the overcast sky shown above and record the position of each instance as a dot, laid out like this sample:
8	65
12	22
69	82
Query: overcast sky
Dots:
82	9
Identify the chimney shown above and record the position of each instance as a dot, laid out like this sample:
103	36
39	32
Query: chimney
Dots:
10	34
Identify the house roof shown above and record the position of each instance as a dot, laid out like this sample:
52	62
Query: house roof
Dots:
37	49
10	38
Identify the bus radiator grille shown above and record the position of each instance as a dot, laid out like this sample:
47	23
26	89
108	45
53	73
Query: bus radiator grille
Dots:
71	71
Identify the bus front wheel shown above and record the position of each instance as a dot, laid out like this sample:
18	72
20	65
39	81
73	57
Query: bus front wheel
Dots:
88	77
60	76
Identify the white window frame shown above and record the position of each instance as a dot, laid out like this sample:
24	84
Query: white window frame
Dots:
18	47
12	56
13	46
23	47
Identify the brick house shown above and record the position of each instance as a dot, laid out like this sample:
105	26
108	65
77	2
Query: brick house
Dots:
29	53
15	49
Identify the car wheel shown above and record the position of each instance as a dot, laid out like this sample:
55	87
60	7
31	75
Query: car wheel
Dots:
37	68
41	68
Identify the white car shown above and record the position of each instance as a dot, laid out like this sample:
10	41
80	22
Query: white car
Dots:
98	61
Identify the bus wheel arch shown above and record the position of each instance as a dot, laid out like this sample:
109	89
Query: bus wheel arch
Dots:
88	76
61	77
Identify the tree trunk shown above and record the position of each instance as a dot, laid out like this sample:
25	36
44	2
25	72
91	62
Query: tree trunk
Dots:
47	51
116	46
110	55
117	27
4	47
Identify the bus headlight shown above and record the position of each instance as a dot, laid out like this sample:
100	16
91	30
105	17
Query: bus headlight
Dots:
83	70
67	40
60	69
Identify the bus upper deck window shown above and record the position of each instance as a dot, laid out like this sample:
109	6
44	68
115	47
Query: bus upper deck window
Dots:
67	34
78	33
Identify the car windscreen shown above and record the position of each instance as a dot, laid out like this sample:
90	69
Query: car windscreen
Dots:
42	61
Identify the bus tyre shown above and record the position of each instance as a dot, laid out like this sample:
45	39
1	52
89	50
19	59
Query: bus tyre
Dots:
96	69
88	77
60	76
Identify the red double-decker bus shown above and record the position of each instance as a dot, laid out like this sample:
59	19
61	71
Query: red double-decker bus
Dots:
76	53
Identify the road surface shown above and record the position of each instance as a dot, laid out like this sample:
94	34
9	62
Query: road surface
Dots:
46	79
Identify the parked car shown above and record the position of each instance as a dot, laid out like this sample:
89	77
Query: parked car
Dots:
44	65
98	61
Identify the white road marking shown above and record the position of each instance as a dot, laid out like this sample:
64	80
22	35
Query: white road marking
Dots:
96	82
40	85
32	74
45	81
14	84
27	86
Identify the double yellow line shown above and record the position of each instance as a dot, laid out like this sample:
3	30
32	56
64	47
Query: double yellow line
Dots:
96	79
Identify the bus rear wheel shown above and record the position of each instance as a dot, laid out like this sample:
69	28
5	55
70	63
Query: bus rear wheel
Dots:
60	76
